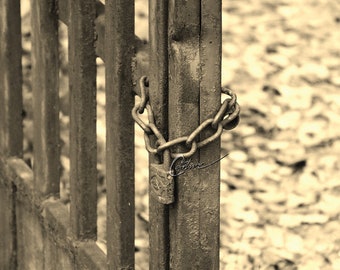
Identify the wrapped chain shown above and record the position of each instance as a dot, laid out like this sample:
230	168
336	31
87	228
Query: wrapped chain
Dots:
227	118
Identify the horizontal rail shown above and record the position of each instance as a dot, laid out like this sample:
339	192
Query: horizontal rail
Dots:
44	225
53	217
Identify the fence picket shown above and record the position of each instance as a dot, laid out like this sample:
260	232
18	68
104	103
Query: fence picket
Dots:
45	74
184	77
11	135
64	14
184	83
83	145
194	96
8	251
119	50
210	96
158	92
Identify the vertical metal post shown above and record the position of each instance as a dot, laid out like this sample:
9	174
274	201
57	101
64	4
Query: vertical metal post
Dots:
45	76
210	98
8	249
83	144
11	135
158	93
194	94
119	49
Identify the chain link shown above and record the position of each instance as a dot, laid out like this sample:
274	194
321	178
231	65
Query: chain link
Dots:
144	94
226	118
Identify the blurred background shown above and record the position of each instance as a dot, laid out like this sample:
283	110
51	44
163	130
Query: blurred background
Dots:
280	193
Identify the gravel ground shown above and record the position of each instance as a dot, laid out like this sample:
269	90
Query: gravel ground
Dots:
279	190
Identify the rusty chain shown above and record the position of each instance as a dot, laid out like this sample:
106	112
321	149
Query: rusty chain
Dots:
227	118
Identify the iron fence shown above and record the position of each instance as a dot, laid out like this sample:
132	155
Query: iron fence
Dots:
37	231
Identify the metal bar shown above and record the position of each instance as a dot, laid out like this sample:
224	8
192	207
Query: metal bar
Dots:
158	96
8	256
45	76
184	83
140	61
194	83
210	100
57	250
64	16
64	9
119	50
83	146
11	135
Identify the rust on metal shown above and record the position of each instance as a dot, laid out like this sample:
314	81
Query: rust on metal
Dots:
184	86
83	146
119	50
229	109
194	84
185	56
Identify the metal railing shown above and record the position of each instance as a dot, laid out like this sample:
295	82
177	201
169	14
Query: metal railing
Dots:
184	91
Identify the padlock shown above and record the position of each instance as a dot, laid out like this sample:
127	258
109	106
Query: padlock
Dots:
162	184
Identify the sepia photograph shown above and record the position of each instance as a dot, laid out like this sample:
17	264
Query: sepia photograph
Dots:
170	134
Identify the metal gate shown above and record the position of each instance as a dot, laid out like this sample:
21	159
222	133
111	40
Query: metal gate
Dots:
181	94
